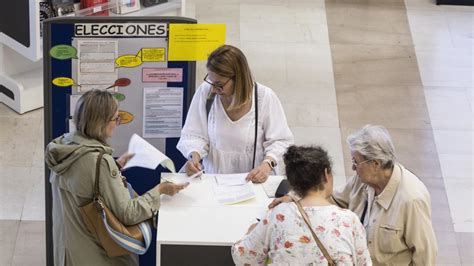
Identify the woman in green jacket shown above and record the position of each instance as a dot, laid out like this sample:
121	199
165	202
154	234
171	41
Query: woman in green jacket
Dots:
72	158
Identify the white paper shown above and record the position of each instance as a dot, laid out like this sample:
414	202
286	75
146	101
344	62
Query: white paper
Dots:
96	63
234	194
175	178
162	112
146	155
231	179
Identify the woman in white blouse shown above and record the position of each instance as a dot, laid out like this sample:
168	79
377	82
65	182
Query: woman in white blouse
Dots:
223	136
284	238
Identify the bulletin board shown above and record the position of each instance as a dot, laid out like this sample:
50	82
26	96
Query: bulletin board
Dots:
127	56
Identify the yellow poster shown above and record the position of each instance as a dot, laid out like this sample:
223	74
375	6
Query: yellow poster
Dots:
193	42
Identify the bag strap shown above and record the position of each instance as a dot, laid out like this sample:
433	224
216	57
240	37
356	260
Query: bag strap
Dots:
126	242
256	125
318	242
97	175
209	101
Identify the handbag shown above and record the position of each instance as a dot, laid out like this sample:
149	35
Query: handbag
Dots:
318	242
115	238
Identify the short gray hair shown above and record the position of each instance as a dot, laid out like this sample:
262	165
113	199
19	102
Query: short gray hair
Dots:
374	143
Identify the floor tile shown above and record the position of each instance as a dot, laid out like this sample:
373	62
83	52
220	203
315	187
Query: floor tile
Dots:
447	77
390	106
283	13
18	150
311	115
454	141
461	202
34	206
465	243
14	182
440	212
470	96
222	13
449	108
448	251
257	55
8	233
275	32
457	165
30	248
377	18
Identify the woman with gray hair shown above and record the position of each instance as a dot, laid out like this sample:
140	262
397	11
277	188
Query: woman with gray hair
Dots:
392	203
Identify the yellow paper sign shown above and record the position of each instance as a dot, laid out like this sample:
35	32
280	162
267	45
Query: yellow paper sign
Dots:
128	60
125	117
64	82
153	54
192	42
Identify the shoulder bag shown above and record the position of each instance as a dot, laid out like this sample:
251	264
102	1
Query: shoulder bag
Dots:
116	238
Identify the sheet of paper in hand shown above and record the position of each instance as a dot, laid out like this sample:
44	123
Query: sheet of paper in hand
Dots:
146	155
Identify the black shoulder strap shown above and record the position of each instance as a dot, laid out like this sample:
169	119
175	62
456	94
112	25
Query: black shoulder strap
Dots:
209	101
256	125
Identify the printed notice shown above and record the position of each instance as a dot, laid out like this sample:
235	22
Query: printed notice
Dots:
192	42
162	74
162	112
96	64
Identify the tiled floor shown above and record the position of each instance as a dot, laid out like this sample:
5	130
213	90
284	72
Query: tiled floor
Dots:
335	65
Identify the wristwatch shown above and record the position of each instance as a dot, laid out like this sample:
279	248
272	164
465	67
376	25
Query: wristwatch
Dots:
271	163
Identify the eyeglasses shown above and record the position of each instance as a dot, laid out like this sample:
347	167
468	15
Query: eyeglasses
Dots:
356	164
117	120
220	87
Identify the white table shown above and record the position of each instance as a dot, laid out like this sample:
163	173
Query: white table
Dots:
193	221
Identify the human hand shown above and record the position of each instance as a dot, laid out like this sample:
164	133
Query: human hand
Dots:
171	189
124	158
192	165
259	174
279	200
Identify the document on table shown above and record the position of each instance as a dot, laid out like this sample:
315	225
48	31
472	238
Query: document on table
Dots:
234	194
231	179
146	155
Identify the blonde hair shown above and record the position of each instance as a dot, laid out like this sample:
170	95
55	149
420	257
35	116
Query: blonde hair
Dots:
94	110
228	61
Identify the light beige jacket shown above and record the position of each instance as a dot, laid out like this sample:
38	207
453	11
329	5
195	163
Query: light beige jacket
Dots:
72	159
399	230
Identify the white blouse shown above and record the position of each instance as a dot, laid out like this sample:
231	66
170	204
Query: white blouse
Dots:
226	146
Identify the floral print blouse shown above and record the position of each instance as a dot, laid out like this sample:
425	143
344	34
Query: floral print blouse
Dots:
283	238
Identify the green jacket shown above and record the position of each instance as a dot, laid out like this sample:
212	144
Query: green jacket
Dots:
72	159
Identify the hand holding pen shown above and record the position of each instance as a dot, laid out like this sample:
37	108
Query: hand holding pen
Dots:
193	165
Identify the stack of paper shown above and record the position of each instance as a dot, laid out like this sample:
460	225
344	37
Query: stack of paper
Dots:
233	188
